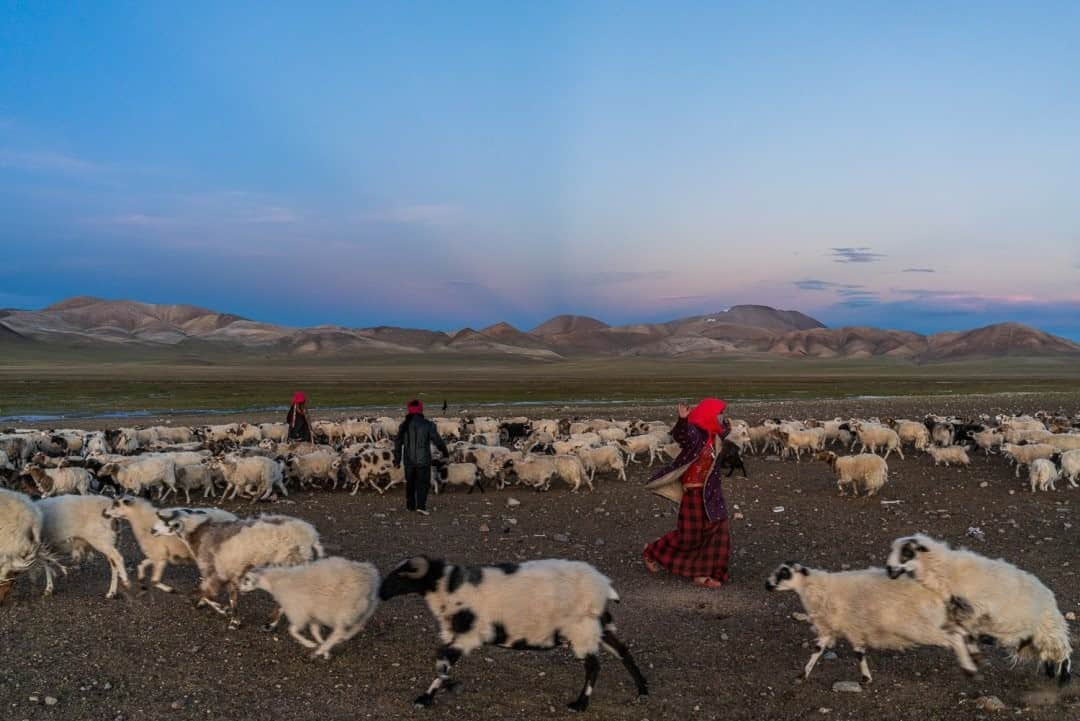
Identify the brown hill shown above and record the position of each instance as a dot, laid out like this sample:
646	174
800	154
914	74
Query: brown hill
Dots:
187	332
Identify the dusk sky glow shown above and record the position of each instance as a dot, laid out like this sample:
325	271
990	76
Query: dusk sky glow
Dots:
912	165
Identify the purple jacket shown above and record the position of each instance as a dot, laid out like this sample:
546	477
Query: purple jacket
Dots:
692	440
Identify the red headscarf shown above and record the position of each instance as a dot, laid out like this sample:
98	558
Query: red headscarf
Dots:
415	406
705	414
299	398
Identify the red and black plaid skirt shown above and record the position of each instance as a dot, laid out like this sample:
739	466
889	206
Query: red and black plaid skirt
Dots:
697	547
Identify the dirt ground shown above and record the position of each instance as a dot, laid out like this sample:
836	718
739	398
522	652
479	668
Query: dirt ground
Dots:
732	654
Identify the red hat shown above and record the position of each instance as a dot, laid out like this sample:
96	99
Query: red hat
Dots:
299	398
415	406
705	415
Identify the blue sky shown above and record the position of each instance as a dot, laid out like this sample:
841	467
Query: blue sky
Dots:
911	165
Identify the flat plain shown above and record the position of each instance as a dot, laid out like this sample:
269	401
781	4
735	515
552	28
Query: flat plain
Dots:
732	654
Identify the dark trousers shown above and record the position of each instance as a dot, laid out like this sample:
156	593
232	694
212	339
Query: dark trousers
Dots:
417	483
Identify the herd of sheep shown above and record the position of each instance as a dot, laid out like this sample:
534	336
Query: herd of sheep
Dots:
66	490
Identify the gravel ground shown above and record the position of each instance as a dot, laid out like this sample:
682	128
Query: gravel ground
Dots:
733	653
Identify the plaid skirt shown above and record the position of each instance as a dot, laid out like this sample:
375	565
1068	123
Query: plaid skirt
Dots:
697	547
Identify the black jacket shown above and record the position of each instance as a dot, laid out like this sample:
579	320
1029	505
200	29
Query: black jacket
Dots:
414	440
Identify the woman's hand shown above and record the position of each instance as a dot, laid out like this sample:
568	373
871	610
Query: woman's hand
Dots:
684	410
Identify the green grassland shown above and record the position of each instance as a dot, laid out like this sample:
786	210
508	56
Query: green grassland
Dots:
100	385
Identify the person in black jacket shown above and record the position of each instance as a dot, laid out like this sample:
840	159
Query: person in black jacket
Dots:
412	448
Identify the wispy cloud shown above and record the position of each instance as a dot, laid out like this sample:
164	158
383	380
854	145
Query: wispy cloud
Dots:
434	214
46	161
815	284
861	254
625	276
681	298
918	270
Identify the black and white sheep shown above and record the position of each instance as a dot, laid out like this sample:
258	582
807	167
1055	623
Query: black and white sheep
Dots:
529	606
1009	604
868	610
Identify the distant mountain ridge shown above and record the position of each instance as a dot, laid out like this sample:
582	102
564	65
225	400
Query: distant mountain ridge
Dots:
190	331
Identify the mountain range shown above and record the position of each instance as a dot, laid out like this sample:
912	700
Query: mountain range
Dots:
186	331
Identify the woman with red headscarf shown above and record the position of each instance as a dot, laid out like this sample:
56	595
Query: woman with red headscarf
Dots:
699	546
299	426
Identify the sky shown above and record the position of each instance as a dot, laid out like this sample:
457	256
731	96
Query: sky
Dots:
906	165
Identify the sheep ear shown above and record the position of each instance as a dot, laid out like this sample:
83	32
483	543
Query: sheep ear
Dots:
804	570
921	548
418	567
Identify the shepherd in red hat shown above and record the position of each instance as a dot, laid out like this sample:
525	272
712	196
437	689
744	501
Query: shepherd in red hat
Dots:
299	425
700	545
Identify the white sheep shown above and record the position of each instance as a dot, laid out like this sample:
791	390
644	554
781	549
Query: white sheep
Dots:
602	460
1043	474
21	544
225	550
313	468
77	524
1064	441
256	477
1070	467
333	592
866	470
1008	604
193	477
949	454
873	436
632	445
1024	455
532	605
158	551
869	610
275	432
913	432
58	481
987	440
797	440
143	474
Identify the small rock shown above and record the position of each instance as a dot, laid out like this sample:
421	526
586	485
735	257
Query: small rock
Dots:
599	541
800	616
847	687
739	516
106	686
176	705
1070	616
989	703
984	484
512	502
830	656
35	699
51	700
484	528
512	521
778	509
723	637
561	538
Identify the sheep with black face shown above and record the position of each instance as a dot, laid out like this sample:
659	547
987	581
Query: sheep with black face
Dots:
529	606
1009	605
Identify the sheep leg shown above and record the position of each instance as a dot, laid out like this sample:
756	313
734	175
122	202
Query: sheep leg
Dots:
900	451
444	663
48	580
117	571
864	667
617	647
140	570
592	671
823	644
336	636
158	572
274	620
960	647
316	632
234	597
295	632
187	495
